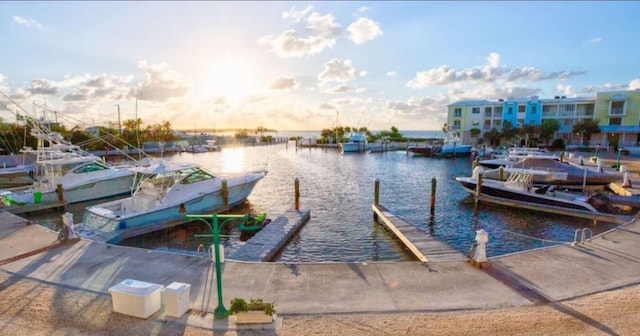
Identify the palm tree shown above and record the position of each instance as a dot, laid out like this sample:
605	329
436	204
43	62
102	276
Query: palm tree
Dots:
586	127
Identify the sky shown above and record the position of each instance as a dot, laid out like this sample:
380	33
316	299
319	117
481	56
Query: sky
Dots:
304	65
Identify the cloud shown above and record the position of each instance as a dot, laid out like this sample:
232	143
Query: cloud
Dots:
160	85
492	92
26	22
492	71
283	83
363	30
363	9
340	89
593	40
565	90
417	107
296	15
392	74
604	87
346	101
362	73
255	99
634	84
335	70
326	106
324	25
288	44
43	87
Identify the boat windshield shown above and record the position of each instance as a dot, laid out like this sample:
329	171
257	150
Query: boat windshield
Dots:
197	176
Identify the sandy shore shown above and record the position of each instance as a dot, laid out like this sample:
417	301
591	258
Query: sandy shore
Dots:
32	308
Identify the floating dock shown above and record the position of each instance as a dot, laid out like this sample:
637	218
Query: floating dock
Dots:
424	246
264	245
21	209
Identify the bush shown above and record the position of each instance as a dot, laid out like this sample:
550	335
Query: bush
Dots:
557	144
240	305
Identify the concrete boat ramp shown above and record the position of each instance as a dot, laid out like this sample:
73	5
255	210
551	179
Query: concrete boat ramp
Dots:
609	261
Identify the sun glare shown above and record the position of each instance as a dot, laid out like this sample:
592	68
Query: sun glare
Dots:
233	159
228	78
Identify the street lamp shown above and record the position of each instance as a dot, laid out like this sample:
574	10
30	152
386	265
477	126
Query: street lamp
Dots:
220	311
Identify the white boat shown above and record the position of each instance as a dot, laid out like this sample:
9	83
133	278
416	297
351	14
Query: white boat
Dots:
196	149
518	189
11	177
82	176
357	143
165	193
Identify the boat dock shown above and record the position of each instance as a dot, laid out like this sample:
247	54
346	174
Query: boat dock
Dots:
27	208
424	246
264	245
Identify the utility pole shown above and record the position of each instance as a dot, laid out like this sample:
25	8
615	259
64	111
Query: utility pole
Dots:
119	124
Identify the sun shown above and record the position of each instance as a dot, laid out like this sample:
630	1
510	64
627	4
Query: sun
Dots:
228	78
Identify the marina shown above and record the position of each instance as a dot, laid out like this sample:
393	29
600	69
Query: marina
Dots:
338	191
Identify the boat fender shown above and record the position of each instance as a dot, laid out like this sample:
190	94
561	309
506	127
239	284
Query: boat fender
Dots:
477	171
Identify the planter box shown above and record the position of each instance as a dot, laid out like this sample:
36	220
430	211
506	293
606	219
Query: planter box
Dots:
251	317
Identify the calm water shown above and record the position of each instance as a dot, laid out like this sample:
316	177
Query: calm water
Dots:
338	190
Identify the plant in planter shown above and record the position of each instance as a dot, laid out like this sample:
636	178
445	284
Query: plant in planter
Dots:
255	311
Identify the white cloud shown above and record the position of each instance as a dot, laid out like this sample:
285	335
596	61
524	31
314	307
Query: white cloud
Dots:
492	71
565	90
594	40
283	83
634	84
345	88
288	44
326	106
43	86
363	30
604	87
392	74
324	25
335	70
26	22
296	15
160	85
362	73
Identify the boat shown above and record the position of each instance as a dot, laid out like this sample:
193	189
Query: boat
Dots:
82	176
518	190
453	146
551	171
165	192
18	176
357	144
254	224
196	149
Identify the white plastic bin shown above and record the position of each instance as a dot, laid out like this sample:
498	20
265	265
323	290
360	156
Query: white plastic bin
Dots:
136	298
176	299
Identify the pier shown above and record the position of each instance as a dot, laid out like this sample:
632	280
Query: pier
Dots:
425	247
273	237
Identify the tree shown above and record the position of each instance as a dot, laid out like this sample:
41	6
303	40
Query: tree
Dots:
508	132
586	127
493	137
548	129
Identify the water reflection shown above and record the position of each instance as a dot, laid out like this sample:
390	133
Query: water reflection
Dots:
338	190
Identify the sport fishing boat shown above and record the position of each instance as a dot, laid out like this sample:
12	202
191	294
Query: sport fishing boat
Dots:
82	176
357	144
518	190
166	192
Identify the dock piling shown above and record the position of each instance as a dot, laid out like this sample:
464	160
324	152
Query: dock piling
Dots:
297	193
433	195
501	173
478	192
225	193
60	193
376	195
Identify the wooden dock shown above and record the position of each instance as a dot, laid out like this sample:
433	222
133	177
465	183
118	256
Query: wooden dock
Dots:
21	209
424	246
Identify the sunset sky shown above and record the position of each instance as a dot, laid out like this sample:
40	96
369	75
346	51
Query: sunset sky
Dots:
305	65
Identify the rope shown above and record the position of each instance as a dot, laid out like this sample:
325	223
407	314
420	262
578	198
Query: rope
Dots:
523	235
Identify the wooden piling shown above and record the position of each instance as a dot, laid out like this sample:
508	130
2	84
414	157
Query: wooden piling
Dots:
297	193
376	195
478	192
501	173
476	162
433	195
225	193
60	193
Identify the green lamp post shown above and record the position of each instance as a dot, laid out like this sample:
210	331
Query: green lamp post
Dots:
220	311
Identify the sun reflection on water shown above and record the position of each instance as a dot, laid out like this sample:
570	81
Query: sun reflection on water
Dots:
233	160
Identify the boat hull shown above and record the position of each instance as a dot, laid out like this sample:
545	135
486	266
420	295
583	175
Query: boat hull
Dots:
137	222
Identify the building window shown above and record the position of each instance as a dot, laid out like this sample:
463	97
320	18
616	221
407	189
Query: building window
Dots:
457	112
521	108
617	108
510	110
615	121
520	122
534	109
456	124
498	123
475	122
475	110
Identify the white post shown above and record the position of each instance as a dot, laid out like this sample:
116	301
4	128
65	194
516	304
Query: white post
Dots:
480	255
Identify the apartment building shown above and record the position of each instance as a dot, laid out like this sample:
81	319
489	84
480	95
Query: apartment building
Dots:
618	113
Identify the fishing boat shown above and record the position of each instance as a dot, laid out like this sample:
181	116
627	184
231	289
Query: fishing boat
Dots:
357	144
551	171
518	190
82	176
166	192
453	146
